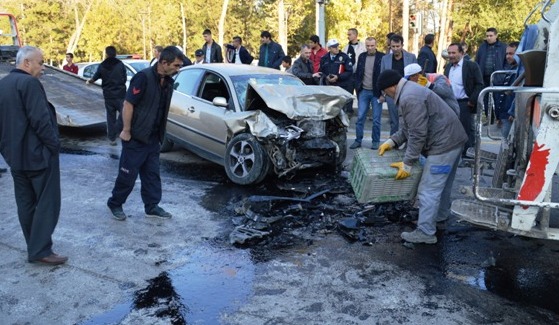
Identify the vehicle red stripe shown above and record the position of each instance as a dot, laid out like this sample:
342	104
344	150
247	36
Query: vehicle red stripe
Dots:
535	175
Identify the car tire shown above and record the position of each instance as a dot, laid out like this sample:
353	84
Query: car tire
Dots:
246	161
341	141
166	145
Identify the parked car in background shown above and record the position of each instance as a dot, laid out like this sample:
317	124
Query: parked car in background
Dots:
255	121
87	70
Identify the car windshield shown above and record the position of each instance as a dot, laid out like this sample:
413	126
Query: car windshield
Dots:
139	66
241	83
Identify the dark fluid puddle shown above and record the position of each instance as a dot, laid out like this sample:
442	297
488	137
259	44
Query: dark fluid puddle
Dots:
213	282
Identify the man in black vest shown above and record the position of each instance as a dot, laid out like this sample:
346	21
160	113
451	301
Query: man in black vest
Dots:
29	143
113	74
144	117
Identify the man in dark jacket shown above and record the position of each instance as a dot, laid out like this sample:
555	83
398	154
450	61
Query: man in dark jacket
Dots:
113	74
336	70
504	100
29	143
368	95
237	53
426	57
466	81
144	117
490	57
212	50
303	67
271	52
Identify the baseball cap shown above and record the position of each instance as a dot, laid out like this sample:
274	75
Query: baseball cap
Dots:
411	69
199	52
332	43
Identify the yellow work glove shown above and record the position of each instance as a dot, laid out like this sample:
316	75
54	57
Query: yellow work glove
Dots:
404	171
423	81
387	145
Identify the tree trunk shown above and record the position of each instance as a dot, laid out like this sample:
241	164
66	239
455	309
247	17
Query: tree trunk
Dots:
75	38
445	8
221	27
183	19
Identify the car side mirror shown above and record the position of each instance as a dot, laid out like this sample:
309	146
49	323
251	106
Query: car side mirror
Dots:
176	85
220	102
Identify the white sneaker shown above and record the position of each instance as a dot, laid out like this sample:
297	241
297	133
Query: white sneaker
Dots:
418	237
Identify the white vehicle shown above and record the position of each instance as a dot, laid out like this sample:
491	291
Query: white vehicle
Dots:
522	197
87	70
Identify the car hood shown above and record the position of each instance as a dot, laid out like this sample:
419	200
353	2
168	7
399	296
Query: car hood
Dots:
295	102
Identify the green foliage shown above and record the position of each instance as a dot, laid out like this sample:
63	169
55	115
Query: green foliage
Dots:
472	18
134	25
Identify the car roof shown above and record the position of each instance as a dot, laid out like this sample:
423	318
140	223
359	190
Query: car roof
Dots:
236	69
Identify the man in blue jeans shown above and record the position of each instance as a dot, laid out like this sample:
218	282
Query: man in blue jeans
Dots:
368	94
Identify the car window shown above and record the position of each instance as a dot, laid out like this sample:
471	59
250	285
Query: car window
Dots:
90	70
240	83
213	86
139	65
187	80
129	73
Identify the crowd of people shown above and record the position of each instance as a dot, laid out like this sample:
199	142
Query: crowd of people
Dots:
430	113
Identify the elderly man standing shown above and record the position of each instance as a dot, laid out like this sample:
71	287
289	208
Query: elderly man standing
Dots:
303	67
396	60
433	130
29	143
368	95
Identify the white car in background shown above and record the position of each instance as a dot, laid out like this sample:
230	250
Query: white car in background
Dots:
87	70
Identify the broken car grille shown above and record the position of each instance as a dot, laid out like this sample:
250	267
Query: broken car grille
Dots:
313	129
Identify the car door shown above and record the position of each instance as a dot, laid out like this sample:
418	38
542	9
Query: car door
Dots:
193	119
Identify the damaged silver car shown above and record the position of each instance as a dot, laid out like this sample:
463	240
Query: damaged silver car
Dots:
255	121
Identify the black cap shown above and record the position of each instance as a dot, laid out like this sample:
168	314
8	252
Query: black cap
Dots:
388	78
199	52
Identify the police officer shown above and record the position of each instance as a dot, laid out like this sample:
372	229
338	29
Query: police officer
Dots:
336	70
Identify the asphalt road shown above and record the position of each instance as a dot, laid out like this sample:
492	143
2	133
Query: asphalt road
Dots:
184	270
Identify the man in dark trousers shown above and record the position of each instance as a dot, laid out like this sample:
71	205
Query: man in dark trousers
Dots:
426	58
212	50
337	70
113	74
467	82
29	143
144	117
368	95
271	52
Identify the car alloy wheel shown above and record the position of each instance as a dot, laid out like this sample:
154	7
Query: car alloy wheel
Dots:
246	162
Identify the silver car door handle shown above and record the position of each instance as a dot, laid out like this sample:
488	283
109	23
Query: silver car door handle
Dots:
191	109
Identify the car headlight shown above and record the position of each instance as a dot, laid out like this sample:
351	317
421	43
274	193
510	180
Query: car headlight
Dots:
313	129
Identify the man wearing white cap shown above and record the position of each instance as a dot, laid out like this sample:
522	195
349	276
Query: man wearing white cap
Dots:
432	130
337	70
438	83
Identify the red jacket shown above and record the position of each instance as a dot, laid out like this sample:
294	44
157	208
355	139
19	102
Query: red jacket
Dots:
315	58
72	68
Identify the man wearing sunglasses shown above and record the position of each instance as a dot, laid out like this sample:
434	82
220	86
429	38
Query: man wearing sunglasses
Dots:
144	116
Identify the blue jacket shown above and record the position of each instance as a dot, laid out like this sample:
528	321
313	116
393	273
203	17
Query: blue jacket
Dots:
341	66
500	56
427	60
275	54
360	72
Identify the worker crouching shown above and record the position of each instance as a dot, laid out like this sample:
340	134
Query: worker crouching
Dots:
433	130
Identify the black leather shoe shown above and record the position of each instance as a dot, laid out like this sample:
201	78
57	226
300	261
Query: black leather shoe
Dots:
53	259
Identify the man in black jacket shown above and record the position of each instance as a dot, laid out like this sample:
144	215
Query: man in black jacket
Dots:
212	50
467	82
113	74
144	117
368	94
426	57
303	67
237	53
29	143
270	53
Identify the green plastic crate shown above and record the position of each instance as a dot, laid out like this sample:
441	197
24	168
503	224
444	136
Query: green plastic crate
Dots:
373	181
